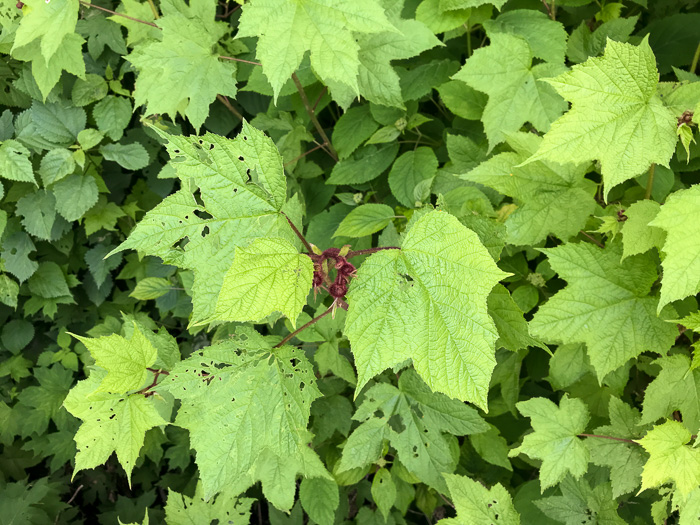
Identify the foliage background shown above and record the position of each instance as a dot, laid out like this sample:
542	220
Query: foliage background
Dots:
444	86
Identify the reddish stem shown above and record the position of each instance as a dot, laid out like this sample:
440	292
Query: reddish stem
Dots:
298	233
301	329
369	251
88	4
624	440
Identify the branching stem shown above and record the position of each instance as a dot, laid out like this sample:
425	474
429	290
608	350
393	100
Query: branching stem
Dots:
240	60
319	146
624	440
301	329
312	116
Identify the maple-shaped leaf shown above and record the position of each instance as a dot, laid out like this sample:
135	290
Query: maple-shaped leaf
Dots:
504	71
225	507
242	188
247	406
112	422
637	234
677	387
183	73
551	199
681	263
287	29
580	504
605	305
616	115
671	458
401	308
125	360
625	460
137	31
269	275
554	440
48	22
414	420
477	505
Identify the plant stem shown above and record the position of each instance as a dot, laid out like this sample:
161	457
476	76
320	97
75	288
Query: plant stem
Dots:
369	251
224	100
312	116
696	58
650	182
301	329
320	146
624	440
298	234
595	241
550	9
153	8
88	4
240	60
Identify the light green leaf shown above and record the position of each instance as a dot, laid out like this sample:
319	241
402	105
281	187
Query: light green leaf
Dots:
546	38
112	114
365	164
15	163
243	188
129	156
365	220
250	382
670	458
584	44
320	498
554	440
438	19
677	387
112	423
637	235
55	165
269	275
225	507
138	32
401	309
612	97
616	325
183	73
9	290
150	288
415	421
286	30
463	100
354	127
75	195
512	328
504	71
552	199
492	447
383	491
681	263
89	90
38	210
48	22
478	505
125	360
409	170
580	504
89	138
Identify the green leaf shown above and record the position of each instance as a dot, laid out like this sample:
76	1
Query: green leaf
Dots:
365	164
249	383
546	38
681	250
439	19
552	199
150	288
14	162
625	460
89	138
492	447
512	328
463	100
353	128
616	325
584	44
242	186
125	360
49	281
112	114
15	253
111	423
138	32
637	235
670	458
55	165
129	156
504	71
320	498
48	22
400	309
677	387
103	215
75	195
100	267
326	29
224	508
9	290
269	275
38	210
554	440
415	421
478	505
616	115
409	170
580	504
365	220
89	90
383	491
183	73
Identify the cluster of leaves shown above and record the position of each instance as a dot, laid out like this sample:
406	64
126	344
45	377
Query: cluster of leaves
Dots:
336	262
